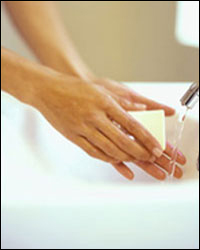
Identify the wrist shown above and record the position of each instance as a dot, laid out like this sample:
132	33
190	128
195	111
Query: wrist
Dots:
18	76
44	81
69	63
77	69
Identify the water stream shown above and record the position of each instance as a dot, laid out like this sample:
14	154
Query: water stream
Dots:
177	140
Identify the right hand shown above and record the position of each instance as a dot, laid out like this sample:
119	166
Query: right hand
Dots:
84	114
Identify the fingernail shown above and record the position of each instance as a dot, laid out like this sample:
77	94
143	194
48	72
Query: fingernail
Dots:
140	106
157	152
180	153
129	174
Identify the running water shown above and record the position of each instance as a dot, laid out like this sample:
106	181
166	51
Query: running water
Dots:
177	139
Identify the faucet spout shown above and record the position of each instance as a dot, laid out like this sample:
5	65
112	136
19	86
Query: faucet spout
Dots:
191	97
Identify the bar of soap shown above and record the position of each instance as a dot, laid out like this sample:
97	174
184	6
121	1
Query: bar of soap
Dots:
154	122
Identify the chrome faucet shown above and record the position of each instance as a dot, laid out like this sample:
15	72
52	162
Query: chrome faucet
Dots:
190	99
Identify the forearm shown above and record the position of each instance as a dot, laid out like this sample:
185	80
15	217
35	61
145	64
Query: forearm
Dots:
21	78
40	25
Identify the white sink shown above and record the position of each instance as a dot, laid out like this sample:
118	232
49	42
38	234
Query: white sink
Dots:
55	196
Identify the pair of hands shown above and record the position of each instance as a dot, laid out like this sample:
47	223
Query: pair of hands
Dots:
85	109
89	113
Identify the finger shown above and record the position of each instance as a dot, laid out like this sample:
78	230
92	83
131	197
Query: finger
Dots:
135	129
181	159
164	163
92	150
107	146
124	142
126	104
130	106
124	170
152	170
152	105
98	154
134	97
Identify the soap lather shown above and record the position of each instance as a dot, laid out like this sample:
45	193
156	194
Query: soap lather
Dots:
190	99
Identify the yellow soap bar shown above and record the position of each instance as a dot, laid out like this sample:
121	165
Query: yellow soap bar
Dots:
154	122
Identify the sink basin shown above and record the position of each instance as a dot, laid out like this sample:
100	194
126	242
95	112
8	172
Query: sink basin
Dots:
65	164
53	199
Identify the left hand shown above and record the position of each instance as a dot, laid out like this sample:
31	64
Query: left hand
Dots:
158	169
129	99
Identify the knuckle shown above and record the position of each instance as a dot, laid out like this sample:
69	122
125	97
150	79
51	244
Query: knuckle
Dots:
143	155
146	140
84	130
97	155
127	144
92	152
117	153
123	142
113	152
122	101
127	158
165	163
109	148
132	124
93	117
107	105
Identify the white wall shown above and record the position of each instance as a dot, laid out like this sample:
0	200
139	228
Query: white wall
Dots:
125	40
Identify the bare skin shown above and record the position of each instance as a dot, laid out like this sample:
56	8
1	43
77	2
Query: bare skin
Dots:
85	116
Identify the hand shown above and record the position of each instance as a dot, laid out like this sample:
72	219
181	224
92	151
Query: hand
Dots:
158	169
129	99
83	113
